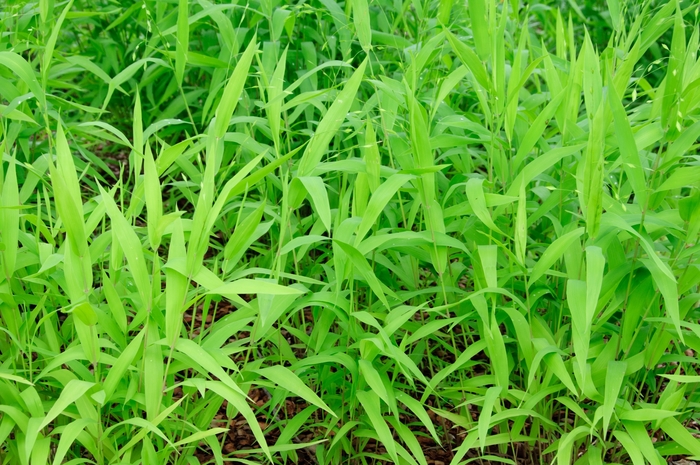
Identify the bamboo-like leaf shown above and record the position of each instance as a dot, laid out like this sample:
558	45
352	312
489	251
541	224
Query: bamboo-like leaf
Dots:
614	9
21	68
51	43
121	365
237	400
553	253
475	194
361	18
628	148
131	245
253	286
537	128
471	61
674	76
153	380
319	197
380	198
594	172
365	270
370	402
288	380
639	435
72	391
68	436
480	27
203	358
681	436
520	233
490	399
183	40
614	378
331	122
232	91
9	220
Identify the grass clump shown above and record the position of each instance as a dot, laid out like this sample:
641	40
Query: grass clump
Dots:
349	232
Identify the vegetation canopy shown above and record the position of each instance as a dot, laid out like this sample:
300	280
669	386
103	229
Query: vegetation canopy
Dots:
349	232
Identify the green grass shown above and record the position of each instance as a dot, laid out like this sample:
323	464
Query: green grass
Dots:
349	233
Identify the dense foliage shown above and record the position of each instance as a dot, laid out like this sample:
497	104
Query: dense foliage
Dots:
351	232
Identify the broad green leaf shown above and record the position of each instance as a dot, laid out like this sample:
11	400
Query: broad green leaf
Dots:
176	285
232	91
577	301
409	438
488	255
126	74
86	313
594	172
274	92
646	414
682	144
301	241
520	233
121	365
182	40
154	200
592	79
15	378
662	274
444	10
51	44
71	392
131	245
379	200
254	286
614	9
632	164
566	444
668	287
470	352
630	446
595	265
286	379
640	436
478	14
238	400
199	436
540	165
208	362
319	197
24	71
676	431
490	398
68	436
9	220
674	77
682	378
419	411
681	177
475	194
553	253
370	402
374	381
614	377
360	262
471	61
241	238
330	124
361	18
536	129
153	380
